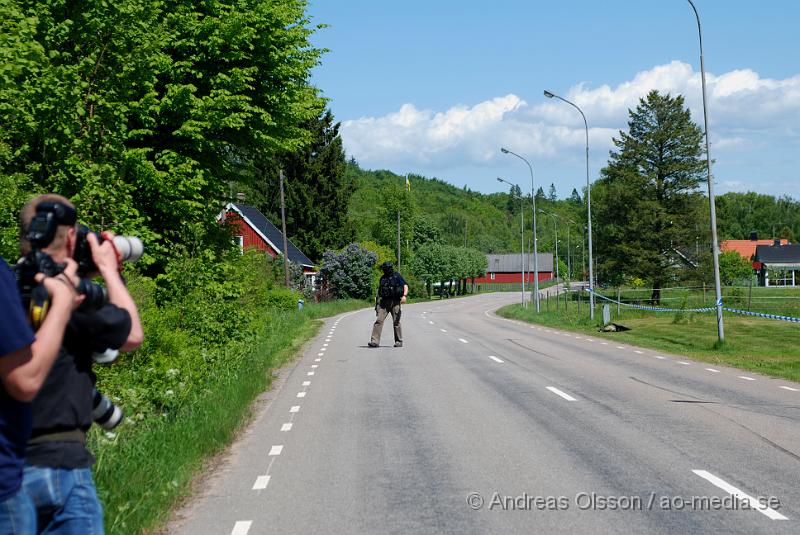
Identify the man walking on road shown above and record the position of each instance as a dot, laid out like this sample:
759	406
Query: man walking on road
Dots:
392	291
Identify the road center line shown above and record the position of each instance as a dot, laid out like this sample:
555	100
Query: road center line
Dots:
659	357
558	392
287	426
462	341
746	378
301	394
499	361
684	363
639	352
730	489
295	408
306	383
712	370
443	330
241	527
261	482
310	374
315	365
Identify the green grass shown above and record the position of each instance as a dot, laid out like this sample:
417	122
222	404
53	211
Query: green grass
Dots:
145	472
759	345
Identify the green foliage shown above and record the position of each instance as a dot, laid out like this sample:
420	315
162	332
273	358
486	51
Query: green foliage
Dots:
733	268
647	201
738	214
349	274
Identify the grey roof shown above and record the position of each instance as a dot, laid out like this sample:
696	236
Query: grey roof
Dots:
781	254
511	263
274	236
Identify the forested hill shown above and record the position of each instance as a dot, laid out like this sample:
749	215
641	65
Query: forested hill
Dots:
432	209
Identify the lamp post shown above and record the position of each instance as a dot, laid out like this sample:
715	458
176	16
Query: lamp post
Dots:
549	94
535	238
711	201
521	235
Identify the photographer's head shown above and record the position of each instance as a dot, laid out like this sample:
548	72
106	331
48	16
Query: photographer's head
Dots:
62	245
388	268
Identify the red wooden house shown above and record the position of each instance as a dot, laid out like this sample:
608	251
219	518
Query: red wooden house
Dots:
507	268
253	229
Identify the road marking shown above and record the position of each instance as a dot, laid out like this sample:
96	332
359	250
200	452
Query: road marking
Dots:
430	322
301	394
320	354
789	388
604	343
315	365
286	426
746	378
684	363
462	341
261	482
443	330
495	359
241	527
295	408
324	345
327	339
639	352
276	450
712	370
323	350
659	357
730	489
317	360
310	374
306	383
558	392
620	347
588	339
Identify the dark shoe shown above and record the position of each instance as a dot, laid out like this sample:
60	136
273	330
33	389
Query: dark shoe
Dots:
398	344
372	344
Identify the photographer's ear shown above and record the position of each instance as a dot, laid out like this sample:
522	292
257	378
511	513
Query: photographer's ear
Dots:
71	241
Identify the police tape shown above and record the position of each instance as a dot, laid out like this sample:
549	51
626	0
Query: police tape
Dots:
777	317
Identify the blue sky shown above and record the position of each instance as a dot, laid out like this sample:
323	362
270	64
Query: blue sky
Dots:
437	87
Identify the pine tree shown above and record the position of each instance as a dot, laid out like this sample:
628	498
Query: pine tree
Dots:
551	194
647	201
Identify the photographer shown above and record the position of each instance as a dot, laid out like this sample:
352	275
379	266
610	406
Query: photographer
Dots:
25	362
58	480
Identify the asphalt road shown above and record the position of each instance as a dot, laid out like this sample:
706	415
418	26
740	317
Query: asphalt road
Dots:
485	425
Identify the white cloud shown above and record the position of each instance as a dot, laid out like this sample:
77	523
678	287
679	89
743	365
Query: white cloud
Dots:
744	108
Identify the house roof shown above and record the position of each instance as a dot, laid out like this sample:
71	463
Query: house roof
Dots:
746	248
512	263
269	232
778	255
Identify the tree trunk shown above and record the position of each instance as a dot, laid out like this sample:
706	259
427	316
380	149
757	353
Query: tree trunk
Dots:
655	297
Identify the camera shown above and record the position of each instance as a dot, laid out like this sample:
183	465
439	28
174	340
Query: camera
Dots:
129	248
104	412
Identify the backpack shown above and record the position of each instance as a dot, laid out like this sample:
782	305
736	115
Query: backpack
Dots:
390	287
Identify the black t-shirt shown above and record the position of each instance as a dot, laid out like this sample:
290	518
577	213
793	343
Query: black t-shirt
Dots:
65	401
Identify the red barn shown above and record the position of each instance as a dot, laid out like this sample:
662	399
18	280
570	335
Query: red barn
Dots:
507	268
253	229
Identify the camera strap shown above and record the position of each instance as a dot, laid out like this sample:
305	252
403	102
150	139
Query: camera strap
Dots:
73	435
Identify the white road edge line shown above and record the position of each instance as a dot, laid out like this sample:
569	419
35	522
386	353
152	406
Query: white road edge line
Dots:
301	394
462	341
275	450
746	378
241	527
499	361
261	482
684	363
789	388
730	489
287	426
443	330
295	408
558	392
712	370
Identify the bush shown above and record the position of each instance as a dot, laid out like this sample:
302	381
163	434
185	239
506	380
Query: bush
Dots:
348	274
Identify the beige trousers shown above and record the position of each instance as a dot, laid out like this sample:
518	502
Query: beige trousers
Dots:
386	307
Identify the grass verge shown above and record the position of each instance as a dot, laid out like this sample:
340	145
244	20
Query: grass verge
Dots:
141	476
759	345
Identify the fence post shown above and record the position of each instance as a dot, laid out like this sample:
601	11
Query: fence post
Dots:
619	300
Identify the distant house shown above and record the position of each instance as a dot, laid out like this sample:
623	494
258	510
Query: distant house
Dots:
254	230
746	248
778	264
507	268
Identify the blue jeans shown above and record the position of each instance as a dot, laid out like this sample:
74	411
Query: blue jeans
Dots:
17	515
63	501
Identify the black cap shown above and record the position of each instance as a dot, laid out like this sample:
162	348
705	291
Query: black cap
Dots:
387	266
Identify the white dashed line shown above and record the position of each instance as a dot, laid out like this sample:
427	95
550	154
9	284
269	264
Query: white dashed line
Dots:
317	360
558	392
315	365
286	426
638	352
301	394
733	491
241	527
746	378
789	388
604	343
462	341
324	345
276	450
306	383
620	347
659	357
499	361
712	370
443	330
320	354
261	482
588	339
295	408
430	322
684	363
310	374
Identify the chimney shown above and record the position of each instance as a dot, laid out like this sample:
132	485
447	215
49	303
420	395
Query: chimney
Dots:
754	236
777	243
240	197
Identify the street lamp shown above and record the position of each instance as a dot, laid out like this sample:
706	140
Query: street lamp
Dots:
549	94
521	235
555	226
535	238
711	202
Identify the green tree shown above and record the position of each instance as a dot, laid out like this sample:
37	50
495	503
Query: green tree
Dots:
551	193
733	268
648	199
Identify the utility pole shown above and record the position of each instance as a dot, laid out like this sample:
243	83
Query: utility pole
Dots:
285	239
398	240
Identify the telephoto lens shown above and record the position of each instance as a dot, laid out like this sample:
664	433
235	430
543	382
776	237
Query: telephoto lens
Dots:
104	413
130	248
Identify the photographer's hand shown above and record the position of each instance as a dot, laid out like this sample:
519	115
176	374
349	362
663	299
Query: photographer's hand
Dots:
107	261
